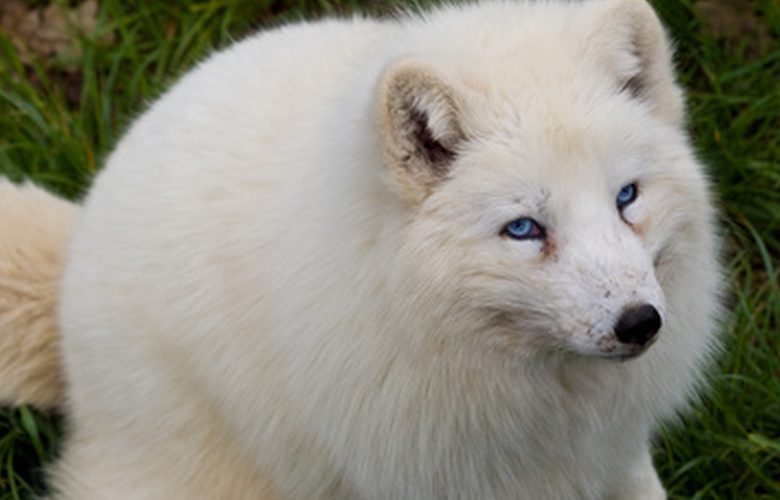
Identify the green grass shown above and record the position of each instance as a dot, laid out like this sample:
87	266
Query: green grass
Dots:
57	125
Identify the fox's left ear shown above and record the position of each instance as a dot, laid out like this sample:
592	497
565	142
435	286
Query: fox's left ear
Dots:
629	41
420	126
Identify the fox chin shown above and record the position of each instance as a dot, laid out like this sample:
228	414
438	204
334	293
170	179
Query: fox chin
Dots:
466	253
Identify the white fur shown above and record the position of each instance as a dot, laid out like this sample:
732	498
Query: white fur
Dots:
253	308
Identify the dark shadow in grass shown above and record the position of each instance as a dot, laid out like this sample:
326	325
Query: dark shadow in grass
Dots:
29	439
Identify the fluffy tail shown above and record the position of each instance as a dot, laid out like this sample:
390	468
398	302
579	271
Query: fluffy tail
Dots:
35	228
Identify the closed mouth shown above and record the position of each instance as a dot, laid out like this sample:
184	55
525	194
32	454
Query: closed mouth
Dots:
638	351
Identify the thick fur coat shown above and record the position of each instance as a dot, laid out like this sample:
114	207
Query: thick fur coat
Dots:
298	275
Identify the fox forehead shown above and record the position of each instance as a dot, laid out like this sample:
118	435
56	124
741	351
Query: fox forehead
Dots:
558	154
558	121
549	68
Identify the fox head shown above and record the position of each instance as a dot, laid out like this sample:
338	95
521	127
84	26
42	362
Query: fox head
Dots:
551	184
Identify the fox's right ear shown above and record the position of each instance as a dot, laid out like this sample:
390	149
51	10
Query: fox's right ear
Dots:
419	125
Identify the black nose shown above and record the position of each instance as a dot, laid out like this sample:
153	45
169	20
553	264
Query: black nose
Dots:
638	324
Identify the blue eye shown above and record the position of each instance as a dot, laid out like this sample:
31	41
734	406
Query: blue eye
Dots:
524	228
626	196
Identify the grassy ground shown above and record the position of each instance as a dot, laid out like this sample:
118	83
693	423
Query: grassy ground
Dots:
61	114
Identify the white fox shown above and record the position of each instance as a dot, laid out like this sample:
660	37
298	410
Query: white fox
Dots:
467	254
